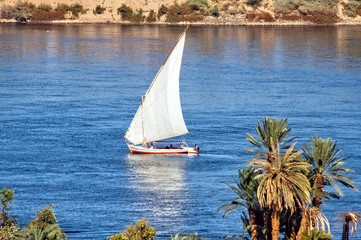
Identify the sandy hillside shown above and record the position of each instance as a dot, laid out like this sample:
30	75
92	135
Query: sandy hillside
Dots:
110	5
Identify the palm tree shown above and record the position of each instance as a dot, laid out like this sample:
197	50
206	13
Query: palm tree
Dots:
268	132
350	224
283	184
312	219
46	232
246	190
327	169
270	129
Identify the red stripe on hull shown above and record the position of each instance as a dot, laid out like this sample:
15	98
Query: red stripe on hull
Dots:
145	152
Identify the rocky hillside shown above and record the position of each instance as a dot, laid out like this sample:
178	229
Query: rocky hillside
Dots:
201	11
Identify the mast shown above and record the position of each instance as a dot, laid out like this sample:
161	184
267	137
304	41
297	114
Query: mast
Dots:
144	142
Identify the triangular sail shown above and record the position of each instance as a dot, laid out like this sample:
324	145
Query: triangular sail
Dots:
160	114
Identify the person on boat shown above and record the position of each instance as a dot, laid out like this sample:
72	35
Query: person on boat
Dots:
181	145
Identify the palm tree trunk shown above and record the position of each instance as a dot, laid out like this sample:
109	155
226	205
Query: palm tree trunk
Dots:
304	226
317	200
294	224
345	230
253	222
267	223
275	218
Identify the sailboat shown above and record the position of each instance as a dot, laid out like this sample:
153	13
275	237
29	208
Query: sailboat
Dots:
159	116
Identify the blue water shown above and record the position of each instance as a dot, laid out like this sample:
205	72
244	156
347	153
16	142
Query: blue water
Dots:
69	92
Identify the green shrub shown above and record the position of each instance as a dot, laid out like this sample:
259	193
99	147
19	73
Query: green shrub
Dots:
76	9
9	232
286	6
198	4
161	11
138	17
352	8
7	12
151	16
8	226
43	225
140	231
253	3
178	13
309	7
125	12
22	12
99	10
317	234
45	216
331	3
62	7
44	8
317	11
214	11
322	17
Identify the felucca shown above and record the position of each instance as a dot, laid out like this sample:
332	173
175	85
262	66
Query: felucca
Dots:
159	116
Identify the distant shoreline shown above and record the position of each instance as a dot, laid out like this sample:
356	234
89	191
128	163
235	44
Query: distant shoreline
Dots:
207	22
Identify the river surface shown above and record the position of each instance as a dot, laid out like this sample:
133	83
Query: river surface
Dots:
69	92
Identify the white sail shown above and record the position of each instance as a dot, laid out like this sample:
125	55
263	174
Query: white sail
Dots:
160	114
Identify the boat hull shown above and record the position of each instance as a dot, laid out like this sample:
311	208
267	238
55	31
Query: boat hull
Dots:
145	150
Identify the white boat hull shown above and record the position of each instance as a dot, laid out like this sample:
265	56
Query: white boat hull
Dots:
146	150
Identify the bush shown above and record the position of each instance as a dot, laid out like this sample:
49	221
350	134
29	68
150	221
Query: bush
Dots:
311	7
214	11
7	12
352	8
8	226
151	16
286	6
77	8
322	17
198	4
22	12
43	225
138	17
176	12
62	7
162	10
253	3
99	10
140	231
125	12
183	12
44	8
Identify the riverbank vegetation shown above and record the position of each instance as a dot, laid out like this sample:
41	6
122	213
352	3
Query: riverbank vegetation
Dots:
24	11
42	227
280	193
204	11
